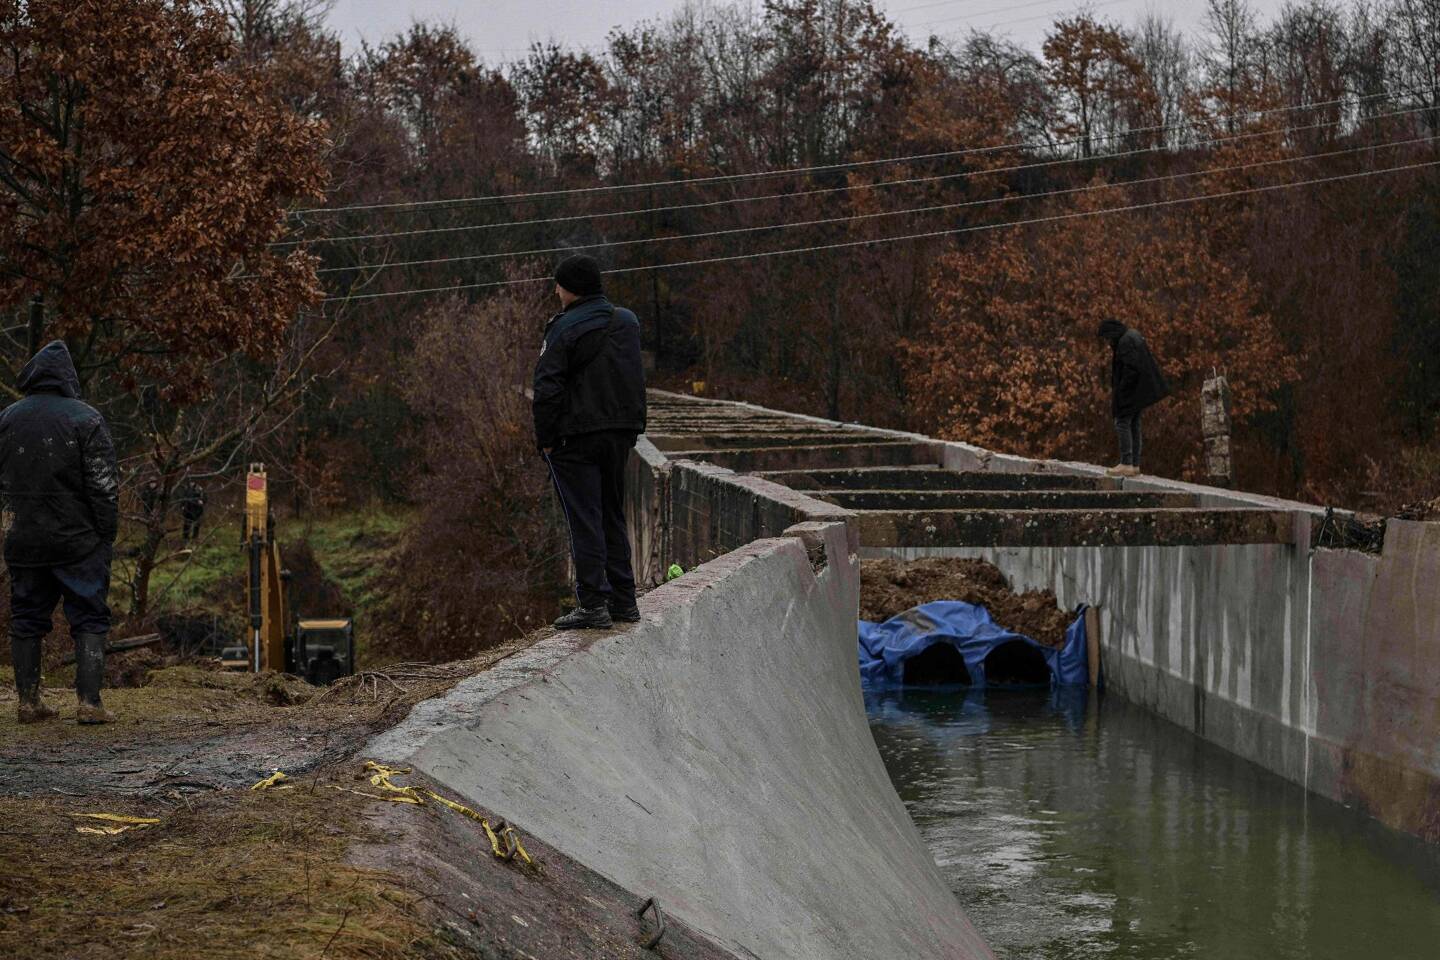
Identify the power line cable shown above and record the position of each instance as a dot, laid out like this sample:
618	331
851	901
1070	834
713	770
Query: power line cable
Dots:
414	205
951	3
989	201
875	241
818	191
1083	8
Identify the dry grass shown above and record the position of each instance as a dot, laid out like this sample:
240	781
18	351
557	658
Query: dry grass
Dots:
228	873
233	874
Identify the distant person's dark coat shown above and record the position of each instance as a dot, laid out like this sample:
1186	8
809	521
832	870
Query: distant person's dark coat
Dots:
57	467
1136	381
589	377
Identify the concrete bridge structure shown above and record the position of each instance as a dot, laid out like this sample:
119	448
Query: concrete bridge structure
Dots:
717	754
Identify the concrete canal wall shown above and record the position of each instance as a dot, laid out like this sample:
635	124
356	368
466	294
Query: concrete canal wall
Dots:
716	755
1321	665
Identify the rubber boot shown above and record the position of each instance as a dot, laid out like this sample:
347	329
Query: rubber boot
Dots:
25	654
89	672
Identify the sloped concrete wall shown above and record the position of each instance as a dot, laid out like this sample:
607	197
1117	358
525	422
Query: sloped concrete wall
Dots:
717	756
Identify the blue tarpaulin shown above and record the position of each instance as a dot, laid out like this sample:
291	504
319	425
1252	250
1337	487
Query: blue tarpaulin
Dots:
884	647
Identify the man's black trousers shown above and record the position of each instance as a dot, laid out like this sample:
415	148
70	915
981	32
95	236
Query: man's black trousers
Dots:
589	475
83	585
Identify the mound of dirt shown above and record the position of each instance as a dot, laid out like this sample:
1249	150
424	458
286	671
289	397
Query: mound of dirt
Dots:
1428	510
888	587
133	668
280	689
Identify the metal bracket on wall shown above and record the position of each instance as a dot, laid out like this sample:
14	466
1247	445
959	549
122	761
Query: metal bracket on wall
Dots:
653	905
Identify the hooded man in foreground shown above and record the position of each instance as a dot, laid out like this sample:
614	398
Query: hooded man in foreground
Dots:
589	407
61	494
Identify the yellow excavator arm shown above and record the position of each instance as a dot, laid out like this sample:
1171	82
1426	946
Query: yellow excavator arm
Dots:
265	593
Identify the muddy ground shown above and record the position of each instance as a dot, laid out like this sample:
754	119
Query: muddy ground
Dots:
320	864
889	587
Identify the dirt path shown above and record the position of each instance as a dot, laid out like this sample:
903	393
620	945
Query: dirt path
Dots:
191	730
321	864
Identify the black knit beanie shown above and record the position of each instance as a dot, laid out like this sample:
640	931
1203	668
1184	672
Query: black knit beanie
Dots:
580	275
1111	329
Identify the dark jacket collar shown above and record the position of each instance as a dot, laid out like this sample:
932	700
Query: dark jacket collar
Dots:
584	303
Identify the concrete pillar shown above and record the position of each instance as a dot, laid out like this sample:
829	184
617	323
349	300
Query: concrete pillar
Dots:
1215	427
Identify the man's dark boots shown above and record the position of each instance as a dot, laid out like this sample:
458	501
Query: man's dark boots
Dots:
25	654
585	618
89	672
622	612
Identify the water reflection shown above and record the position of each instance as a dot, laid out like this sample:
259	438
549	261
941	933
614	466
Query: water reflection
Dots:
1075	827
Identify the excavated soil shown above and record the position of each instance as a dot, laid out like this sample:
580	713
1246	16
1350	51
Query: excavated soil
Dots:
889	587
1428	510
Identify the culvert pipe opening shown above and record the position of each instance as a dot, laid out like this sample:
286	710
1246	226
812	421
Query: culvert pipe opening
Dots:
939	665
1016	663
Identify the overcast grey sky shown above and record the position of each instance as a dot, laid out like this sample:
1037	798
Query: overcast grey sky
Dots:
502	29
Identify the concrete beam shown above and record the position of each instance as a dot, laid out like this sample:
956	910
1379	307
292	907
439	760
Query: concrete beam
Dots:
716	440
1006	500
1067	528
931	478
752	459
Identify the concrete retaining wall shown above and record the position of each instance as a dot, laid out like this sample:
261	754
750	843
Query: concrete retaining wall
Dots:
716	755
1375	675
1323	668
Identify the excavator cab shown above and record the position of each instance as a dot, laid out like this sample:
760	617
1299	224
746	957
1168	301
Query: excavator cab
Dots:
323	651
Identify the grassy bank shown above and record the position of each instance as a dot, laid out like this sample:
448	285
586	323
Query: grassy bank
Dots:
339	562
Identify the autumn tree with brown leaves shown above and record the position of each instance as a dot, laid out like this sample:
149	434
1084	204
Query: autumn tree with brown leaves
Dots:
1012	360
142	176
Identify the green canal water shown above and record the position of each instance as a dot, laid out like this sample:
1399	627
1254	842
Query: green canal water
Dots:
1077	828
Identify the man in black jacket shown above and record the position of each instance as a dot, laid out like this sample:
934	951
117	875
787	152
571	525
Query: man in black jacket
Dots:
61	495
589	407
1136	383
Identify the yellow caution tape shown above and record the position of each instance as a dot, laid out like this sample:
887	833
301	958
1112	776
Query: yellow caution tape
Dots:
118	818
358	793
508	850
380	777
121	823
269	781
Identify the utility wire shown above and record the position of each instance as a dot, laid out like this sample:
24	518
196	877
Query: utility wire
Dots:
989	201
981	13
413	205
909	181
875	241
1083	8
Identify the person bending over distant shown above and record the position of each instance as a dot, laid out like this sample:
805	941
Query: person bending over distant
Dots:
589	407
1136	383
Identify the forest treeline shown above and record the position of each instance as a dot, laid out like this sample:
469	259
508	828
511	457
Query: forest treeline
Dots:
228	215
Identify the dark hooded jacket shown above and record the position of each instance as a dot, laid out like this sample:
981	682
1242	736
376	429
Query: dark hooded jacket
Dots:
589	376
57	467
1136	381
